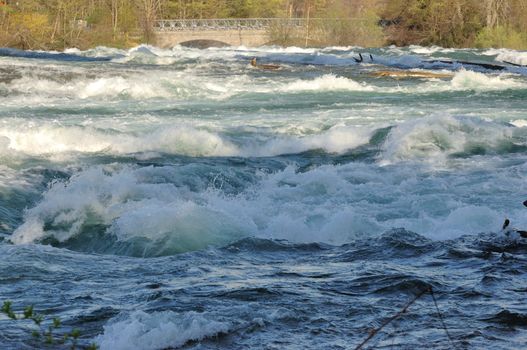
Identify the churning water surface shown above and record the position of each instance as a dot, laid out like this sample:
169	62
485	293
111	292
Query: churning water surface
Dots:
160	199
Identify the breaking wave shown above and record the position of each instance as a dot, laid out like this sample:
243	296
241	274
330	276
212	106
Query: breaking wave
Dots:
59	143
347	168
184	86
325	83
468	80
135	87
70	56
152	211
436	138
158	330
506	55
36	86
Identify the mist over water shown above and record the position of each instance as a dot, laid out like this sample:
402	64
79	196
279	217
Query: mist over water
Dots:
183	198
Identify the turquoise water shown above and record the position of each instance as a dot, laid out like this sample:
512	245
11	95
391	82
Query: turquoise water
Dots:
183	198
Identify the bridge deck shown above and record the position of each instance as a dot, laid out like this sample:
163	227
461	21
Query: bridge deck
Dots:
220	24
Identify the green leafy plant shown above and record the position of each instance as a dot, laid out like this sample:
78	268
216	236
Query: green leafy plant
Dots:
501	36
46	335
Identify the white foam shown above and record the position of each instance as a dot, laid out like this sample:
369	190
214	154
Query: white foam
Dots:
131	207
428	50
72	50
468	219
337	139
331	204
191	84
98	52
516	58
328	82
4	144
434	138
520	123
63	142
158	330
463	80
469	80
146	54
57	142
507	55
289	49
106	87
11	179
155	84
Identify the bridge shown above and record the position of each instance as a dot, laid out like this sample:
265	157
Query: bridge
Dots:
231	31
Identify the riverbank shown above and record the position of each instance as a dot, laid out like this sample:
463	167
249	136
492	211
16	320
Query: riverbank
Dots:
39	25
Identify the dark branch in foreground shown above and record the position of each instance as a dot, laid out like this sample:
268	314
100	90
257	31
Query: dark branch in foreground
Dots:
374	332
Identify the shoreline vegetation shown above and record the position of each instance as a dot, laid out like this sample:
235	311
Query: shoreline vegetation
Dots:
60	24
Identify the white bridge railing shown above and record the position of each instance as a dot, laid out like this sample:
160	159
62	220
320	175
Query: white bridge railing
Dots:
234	23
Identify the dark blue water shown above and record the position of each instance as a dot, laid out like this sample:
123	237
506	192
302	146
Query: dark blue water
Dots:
273	294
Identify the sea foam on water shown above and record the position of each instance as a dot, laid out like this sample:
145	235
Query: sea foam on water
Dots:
164	198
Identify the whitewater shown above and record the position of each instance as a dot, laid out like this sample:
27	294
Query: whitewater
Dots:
182	198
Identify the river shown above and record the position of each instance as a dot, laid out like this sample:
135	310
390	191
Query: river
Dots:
183	198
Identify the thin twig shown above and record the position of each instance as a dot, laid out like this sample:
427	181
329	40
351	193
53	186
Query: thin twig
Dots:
441	318
397	315
394	317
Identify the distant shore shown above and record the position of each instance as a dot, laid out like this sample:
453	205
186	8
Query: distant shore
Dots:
44	25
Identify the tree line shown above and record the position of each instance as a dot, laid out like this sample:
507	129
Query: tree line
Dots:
457	23
57	24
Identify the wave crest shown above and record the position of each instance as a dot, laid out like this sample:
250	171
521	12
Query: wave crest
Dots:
435	138
328	82
469	80
159	330
62	142
128	206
